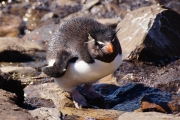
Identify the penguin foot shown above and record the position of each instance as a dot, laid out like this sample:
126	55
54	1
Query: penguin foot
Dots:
91	93
78	100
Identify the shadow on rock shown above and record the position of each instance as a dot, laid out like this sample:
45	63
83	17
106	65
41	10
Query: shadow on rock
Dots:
14	56
14	86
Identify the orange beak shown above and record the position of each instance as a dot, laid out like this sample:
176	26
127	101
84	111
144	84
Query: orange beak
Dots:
109	47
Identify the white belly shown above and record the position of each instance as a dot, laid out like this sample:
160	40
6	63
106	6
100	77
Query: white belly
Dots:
80	72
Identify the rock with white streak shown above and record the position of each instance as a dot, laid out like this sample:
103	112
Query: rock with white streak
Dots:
150	34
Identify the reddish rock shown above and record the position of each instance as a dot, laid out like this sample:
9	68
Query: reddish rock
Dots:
150	34
159	103
148	106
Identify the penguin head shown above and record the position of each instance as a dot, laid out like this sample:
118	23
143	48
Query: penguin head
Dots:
102	42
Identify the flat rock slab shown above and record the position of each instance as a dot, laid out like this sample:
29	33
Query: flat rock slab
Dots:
89	114
44	113
49	91
28	71
147	116
17	50
150	34
102	114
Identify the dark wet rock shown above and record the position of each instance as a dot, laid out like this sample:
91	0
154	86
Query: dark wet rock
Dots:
150	34
147	116
165	78
10	25
128	98
172	4
124	98
9	110
16	49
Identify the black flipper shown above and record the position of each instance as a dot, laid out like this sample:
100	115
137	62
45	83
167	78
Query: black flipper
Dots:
60	65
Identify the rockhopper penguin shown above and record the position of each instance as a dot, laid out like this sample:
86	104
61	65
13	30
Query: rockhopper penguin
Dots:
81	52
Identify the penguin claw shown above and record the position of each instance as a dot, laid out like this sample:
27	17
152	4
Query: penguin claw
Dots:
84	105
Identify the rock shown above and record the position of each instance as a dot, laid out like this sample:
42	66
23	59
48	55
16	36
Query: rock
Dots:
63	8
9	110
23	71
65	2
18	9
127	98
10	25
165	78
49	91
13	86
46	113
88	4
34	13
42	34
89	114
173	4
174	105
154	102
108	21
150	34
16	49
147	116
